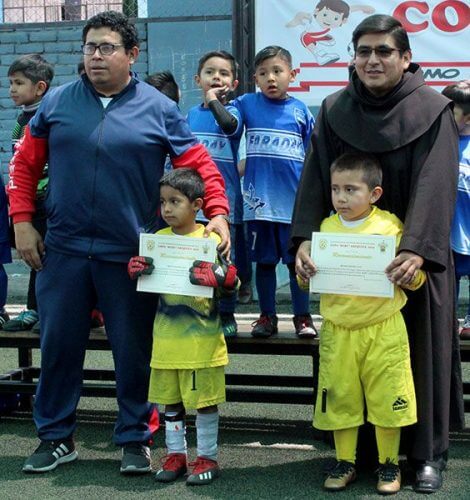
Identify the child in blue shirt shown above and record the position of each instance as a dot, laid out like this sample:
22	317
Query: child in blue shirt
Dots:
278	128
459	93
218	126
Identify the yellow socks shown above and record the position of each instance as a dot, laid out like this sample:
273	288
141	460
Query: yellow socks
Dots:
346	443
388	443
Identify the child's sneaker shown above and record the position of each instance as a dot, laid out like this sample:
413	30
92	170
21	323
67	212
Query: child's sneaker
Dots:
465	332
49	454
265	326
229	325
340	476
204	472
174	466
389	479
24	321
4	317
304	326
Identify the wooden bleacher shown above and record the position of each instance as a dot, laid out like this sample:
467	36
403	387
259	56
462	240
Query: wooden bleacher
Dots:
260	388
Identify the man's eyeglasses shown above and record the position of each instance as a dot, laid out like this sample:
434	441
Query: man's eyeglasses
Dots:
106	49
382	52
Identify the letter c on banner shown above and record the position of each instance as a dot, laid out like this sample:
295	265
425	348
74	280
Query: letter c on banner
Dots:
401	12
439	17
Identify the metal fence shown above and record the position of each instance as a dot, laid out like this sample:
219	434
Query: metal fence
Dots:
44	11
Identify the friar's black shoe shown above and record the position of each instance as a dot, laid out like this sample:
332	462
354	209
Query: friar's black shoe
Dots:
428	478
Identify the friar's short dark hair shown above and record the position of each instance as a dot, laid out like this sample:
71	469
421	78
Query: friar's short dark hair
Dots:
381	23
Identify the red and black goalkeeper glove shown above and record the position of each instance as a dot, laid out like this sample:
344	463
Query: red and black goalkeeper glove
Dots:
215	275
140	265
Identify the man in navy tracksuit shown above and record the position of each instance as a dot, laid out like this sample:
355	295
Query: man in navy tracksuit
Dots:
105	138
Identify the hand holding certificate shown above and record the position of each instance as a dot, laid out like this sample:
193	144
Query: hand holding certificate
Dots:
172	257
352	264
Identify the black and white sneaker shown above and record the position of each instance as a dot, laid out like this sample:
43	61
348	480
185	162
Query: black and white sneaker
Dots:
135	459
50	454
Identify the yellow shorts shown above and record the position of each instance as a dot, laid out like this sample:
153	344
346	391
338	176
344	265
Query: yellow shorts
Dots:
196	388
365	367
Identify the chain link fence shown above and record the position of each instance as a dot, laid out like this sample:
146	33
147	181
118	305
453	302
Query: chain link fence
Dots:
46	11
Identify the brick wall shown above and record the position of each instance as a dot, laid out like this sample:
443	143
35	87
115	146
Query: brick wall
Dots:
60	44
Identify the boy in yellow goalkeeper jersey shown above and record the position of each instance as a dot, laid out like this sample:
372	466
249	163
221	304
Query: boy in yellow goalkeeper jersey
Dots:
364	351
189	351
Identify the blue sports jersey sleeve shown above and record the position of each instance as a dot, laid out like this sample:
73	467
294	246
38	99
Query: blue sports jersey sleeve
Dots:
223	150
277	136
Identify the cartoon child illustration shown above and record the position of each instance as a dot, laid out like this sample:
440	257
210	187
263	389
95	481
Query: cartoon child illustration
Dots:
328	14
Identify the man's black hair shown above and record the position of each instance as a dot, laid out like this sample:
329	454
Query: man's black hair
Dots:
273	51
382	24
165	82
115	21
34	67
366	163
223	55
459	92
185	180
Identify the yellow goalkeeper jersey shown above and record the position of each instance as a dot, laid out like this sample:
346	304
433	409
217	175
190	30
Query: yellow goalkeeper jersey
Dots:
187	331
353	311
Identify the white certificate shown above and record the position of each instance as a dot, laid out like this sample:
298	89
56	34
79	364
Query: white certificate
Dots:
172	257
352	264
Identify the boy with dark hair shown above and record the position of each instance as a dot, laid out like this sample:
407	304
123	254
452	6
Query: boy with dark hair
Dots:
217	124
278	128
459	93
364	351
165	82
30	78
189	351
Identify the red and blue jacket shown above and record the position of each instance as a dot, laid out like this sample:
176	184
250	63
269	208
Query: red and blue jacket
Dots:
104	167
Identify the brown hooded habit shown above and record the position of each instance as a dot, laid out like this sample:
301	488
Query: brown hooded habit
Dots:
412	132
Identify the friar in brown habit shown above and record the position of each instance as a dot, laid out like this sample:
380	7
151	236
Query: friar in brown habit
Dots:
387	110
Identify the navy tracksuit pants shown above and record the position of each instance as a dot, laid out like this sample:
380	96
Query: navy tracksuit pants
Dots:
67	289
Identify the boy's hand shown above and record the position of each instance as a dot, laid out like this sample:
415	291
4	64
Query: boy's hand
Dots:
213	275
217	93
139	265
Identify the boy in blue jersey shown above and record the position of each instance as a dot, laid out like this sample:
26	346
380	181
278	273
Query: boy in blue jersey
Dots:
189	351
278	128
218	126
459	93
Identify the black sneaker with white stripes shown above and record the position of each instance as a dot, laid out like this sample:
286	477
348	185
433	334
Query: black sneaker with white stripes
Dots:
135	459
50	454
